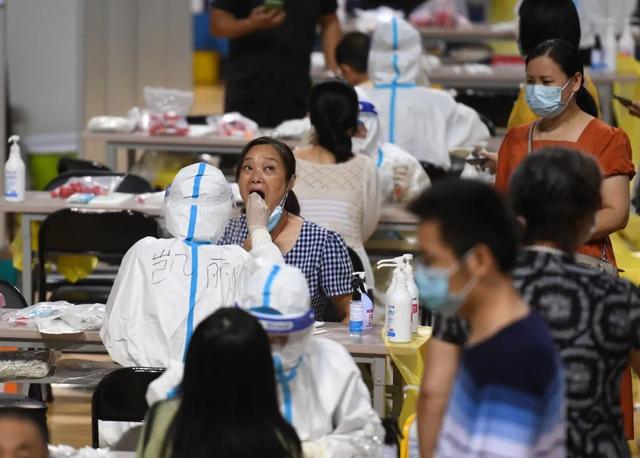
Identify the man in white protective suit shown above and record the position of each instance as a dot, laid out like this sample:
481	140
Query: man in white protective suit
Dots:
401	176
165	287
425	122
320	387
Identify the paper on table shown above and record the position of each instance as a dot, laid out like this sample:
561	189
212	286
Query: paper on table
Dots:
197	130
114	198
152	198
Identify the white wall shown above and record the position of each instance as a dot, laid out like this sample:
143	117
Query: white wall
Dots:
130	44
70	60
44	72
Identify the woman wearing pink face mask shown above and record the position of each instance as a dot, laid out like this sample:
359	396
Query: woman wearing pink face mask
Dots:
567	117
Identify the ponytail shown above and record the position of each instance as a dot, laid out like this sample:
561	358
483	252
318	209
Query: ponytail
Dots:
585	101
333	112
336	141
292	205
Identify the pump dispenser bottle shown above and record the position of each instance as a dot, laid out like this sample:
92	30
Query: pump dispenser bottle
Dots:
14	173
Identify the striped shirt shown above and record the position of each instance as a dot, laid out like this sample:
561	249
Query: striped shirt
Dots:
508	397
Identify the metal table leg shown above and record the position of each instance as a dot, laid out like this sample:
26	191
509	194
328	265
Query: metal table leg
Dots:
27	287
605	92
112	156
378	371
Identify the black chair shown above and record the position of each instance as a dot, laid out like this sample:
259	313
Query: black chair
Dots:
105	234
13	298
131	183
356	262
120	396
67	164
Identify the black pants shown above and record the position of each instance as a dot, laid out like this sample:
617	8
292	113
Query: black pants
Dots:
266	114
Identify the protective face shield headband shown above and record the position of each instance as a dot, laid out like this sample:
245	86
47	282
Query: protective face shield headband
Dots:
546	101
275	323
272	319
433	286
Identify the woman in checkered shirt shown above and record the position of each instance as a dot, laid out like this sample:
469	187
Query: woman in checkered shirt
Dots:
267	167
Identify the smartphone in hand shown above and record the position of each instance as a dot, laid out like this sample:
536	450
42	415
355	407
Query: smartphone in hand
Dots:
275	5
624	101
476	160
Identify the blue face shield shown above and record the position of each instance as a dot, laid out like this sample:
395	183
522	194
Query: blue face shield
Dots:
433	288
546	101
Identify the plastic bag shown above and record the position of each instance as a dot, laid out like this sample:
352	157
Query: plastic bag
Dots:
163	100
58	317
168	123
31	364
234	125
66	451
292	128
93	185
32	314
440	13
167	110
111	124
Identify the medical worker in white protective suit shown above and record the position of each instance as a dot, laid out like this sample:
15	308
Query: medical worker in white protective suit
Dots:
165	287
320	387
424	122
401	176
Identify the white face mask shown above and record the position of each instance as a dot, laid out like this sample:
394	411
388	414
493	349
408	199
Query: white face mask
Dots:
546	101
290	353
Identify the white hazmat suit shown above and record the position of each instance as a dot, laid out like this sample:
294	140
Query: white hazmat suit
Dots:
165	287
401	176
320	387
424	122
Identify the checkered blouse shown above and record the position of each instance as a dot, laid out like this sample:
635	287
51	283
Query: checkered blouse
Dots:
319	253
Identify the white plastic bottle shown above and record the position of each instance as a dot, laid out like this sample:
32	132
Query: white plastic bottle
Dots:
627	45
14	173
399	311
610	46
387	295
413	290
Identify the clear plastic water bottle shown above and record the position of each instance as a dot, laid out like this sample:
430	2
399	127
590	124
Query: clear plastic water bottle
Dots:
356	313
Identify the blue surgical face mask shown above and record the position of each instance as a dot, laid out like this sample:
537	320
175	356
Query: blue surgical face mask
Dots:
546	101
276	214
433	288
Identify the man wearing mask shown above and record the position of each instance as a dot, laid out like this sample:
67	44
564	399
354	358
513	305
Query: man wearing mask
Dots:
508	392
268	77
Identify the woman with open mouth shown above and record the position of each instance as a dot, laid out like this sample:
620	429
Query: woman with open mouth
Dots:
267	168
